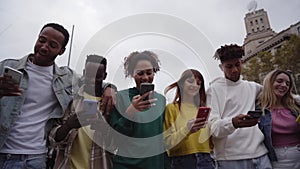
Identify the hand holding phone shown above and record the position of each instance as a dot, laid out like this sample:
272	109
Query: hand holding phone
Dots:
15	75
146	87
201	120
255	114
203	113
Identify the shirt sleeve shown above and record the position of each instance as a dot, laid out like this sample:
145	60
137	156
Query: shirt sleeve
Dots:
119	120
172	134
58	123
219	127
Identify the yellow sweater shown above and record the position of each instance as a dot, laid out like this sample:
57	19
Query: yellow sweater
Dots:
178	140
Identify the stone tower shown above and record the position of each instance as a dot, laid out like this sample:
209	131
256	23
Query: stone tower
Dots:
258	30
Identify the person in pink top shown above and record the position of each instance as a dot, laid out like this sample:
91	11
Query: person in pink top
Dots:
278	123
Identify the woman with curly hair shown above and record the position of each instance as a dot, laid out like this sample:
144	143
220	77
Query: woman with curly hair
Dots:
139	122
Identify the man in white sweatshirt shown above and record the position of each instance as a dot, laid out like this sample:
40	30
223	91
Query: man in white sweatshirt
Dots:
238	142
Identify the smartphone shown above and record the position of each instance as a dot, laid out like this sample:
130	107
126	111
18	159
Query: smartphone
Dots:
203	112
15	74
146	87
255	114
90	107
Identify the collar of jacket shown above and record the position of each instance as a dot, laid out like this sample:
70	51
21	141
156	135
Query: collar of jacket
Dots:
58	71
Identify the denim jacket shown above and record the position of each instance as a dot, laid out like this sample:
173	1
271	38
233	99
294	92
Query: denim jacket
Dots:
10	107
265	125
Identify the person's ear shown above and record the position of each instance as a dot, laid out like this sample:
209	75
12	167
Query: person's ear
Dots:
61	51
220	66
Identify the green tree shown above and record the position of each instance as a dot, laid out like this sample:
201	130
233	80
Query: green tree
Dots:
258	66
286	57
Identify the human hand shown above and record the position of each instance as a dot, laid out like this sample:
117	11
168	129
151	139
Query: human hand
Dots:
8	87
243	120
108	100
73	122
138	104
196	124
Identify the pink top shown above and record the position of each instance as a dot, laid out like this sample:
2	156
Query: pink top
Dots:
285	129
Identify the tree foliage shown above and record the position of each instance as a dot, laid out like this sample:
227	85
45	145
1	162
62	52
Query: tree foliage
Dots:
287	57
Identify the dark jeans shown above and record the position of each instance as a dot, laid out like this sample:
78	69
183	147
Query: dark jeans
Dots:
193	161
22	161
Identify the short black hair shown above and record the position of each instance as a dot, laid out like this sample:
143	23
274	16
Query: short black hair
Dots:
61	29
96	59
229	52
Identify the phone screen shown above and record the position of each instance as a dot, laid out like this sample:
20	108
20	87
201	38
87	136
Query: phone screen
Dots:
146	87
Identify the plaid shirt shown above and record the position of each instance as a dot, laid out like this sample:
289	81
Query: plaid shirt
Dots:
99	158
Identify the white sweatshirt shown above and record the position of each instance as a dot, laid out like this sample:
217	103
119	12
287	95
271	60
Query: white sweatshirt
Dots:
228	99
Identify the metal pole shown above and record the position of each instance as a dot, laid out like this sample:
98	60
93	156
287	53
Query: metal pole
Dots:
71	41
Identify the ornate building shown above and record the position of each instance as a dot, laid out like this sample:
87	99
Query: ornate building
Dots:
261	37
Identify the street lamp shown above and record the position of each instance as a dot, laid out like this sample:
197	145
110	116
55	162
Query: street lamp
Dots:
293	80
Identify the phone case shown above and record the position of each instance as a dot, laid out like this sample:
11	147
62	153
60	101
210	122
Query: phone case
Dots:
15	74
203	112
146	87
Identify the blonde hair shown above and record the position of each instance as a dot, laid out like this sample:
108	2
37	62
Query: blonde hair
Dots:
268	98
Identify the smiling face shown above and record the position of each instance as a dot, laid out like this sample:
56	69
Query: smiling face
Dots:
191	87
281	85
143	73
48	45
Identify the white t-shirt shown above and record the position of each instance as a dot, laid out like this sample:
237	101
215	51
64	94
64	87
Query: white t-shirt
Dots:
27	136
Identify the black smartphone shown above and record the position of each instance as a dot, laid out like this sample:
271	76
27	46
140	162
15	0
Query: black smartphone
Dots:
146	87
15	74
255	114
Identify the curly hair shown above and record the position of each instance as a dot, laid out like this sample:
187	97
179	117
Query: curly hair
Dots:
133	58
229	52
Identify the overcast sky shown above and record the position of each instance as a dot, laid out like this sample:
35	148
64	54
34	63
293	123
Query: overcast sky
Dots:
167	28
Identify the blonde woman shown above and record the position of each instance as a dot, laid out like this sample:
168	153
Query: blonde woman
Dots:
282	132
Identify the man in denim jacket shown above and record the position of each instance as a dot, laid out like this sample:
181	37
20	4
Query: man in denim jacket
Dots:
27	112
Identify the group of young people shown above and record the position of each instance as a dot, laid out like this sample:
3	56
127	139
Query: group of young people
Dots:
44	124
